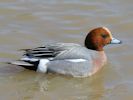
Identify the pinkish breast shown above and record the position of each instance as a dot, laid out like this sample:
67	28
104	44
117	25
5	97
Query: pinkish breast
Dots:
99	60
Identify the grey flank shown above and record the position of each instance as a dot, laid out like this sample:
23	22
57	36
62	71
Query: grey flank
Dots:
60	55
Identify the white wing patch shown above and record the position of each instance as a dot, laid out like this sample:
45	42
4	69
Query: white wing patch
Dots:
29	59
42	66
76	60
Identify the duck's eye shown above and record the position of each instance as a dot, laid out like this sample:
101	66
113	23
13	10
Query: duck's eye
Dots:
104	35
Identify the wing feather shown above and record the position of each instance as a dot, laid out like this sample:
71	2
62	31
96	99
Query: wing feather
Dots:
57	51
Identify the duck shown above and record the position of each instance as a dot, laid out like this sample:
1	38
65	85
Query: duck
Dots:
70	58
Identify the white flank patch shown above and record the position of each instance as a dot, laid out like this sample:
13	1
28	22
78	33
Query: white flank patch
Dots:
42	66
76	60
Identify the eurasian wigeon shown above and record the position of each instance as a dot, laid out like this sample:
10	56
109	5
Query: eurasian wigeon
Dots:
69	58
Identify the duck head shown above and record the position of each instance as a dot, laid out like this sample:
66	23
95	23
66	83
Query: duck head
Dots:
100	37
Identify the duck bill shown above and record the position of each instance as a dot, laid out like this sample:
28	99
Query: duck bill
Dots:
115	41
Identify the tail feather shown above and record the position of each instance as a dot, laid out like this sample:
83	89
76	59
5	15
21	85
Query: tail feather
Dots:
20	63
25	64
39	65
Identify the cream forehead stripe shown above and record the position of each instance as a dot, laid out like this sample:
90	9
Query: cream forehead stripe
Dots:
108	31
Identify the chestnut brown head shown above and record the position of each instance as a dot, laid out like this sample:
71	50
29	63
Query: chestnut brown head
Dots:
98	38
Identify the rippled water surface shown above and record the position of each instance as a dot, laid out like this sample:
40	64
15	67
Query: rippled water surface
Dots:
30	23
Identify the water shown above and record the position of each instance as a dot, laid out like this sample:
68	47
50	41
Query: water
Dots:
30	23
